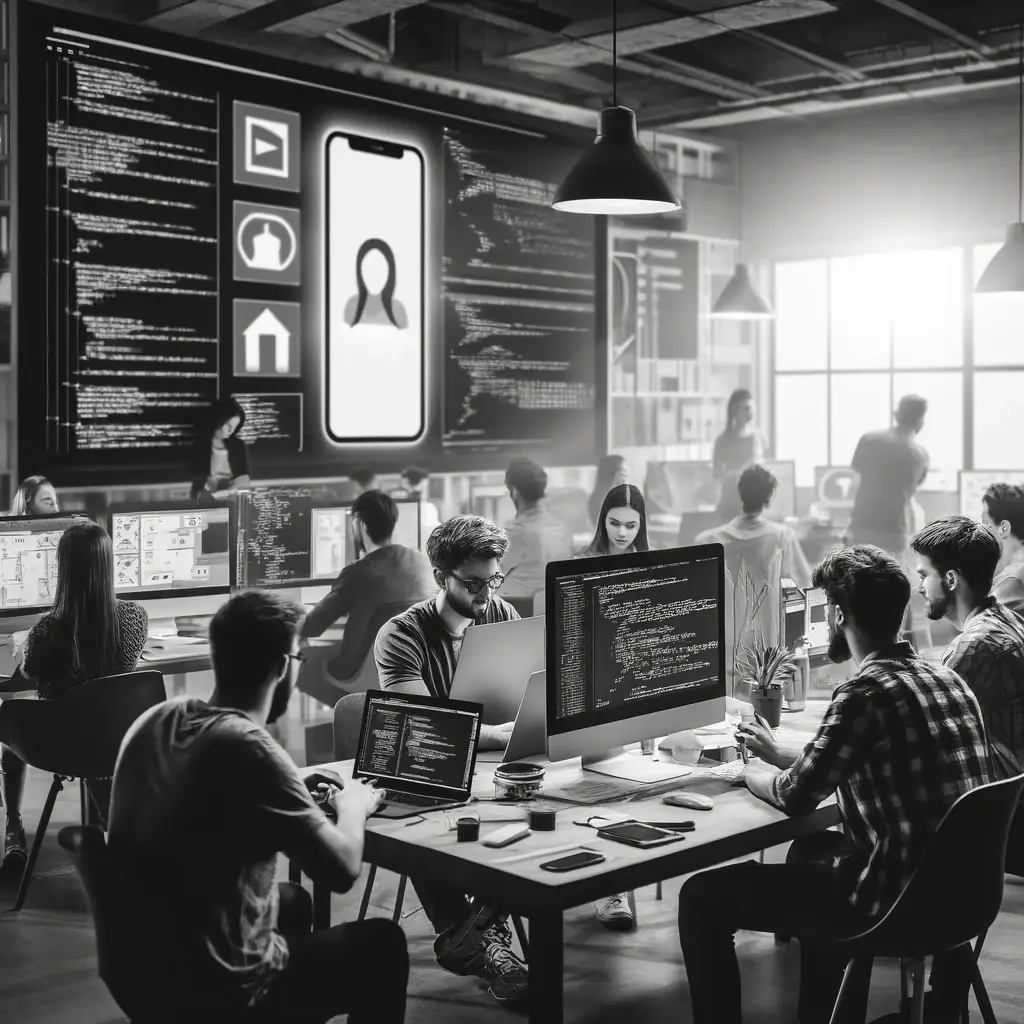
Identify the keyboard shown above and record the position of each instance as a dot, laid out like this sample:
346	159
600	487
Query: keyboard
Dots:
595	791
733	772
170	651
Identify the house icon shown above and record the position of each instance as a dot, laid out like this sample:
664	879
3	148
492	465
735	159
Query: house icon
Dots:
267	325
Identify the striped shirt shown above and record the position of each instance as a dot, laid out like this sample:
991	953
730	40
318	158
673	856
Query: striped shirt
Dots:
417	647
898	745
989	657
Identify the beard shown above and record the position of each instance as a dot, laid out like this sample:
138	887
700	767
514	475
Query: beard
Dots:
279	701
939	609
474	608
838	647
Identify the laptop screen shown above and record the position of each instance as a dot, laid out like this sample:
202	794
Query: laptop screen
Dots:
418	743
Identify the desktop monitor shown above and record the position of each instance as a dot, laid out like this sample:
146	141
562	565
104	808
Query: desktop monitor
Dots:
973	484
176	560
816	622
635	649
28	566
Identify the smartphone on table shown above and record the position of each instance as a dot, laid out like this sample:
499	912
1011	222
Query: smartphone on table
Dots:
584	859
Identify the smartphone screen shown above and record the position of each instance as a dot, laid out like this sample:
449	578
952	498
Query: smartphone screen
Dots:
573	861
374	360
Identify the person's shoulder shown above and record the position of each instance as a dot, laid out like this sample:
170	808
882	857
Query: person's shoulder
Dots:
132	612
410	621
45	627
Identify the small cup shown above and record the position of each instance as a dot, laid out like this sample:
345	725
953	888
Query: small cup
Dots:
468	830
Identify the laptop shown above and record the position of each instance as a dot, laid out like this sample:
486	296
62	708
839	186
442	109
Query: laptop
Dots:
495	664
529	737
420	750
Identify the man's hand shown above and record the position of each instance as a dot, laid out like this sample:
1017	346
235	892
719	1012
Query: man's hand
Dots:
759	741
758	778
359	797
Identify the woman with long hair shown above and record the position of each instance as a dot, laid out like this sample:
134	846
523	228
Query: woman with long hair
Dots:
376	279
35	496
88	634
621	524
738	447
221	460
611	471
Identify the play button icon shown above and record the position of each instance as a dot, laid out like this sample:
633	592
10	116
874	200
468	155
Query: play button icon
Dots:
266	144
266	147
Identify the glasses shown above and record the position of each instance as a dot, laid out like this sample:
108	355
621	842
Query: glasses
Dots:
300	658
477	586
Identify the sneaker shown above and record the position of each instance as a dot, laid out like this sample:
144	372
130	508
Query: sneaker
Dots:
614	913
15	854
504	973
484	949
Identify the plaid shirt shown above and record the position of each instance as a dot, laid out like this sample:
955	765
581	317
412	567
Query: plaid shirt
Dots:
898	745
989	657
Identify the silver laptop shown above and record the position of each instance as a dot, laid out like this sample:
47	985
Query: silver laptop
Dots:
529	739
495	664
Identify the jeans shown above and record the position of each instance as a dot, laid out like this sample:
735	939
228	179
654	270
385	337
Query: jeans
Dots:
361	969
444	906
803	898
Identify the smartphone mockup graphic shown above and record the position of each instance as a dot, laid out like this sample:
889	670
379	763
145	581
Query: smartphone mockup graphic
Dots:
374	361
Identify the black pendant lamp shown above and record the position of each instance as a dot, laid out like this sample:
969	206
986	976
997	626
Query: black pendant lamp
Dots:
1005	273
616	176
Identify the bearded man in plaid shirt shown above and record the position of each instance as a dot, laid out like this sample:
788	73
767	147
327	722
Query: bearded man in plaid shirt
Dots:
898	745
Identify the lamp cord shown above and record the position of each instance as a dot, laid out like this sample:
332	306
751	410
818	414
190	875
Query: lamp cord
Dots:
615	54
1020	127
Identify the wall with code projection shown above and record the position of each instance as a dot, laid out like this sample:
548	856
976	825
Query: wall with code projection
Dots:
377	282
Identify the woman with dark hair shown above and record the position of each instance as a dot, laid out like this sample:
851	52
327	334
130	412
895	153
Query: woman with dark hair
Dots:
221	460
376	279
621	524
88	634
738	447
35	497
611	471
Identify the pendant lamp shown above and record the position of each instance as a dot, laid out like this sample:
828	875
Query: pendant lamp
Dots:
616	176
740	299
1005	273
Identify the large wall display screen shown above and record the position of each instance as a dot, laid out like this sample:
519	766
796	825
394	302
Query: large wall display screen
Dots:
373	280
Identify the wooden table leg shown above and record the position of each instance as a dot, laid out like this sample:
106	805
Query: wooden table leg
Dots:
546	968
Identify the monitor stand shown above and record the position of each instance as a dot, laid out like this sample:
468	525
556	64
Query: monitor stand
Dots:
633	767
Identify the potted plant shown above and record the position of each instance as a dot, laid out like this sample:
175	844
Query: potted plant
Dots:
766	666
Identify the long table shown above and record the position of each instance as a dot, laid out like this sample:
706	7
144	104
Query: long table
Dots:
511	878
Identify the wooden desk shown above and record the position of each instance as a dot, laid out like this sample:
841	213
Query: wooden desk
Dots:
738	825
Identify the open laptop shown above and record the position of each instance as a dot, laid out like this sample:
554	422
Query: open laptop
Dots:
495	664
422	751
529	735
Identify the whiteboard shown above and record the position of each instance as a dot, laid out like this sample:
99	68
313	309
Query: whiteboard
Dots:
975	482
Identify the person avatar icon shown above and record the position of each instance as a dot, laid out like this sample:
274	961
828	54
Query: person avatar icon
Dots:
266	250
376	279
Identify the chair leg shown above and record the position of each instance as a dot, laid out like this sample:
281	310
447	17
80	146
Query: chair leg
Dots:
37	842
364	905
970	965
851	1003
657	891
916	967
400	899
979	944
524	942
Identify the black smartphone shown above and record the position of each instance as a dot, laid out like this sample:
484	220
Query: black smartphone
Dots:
574	861
633	833
672	826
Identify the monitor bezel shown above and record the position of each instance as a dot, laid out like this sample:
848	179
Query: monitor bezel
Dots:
24	610
158	507
446	705
609	563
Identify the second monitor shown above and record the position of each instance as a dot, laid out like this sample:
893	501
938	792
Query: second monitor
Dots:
635	650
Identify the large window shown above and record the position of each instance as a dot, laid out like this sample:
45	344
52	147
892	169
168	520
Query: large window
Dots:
854	334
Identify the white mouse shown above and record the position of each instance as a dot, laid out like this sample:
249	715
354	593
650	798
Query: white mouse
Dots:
695	801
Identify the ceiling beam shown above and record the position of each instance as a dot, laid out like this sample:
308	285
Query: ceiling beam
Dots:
322	16
970	43
843	72
195	16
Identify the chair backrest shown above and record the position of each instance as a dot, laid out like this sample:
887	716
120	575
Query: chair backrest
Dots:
79	733
539	600
348	720
955	892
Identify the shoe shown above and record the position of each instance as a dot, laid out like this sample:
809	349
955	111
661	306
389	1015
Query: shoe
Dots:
15	855
504	972
482	946
614	913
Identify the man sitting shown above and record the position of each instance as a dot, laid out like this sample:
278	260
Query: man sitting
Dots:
203	802
1002	508
956	561
387	573
417	652
898	744
535	536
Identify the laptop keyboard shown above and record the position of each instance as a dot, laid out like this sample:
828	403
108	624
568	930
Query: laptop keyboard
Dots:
393	796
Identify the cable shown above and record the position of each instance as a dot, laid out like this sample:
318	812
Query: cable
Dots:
615	53
1020	127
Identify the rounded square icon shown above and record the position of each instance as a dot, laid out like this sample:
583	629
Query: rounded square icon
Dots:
267	147
267	339
266	246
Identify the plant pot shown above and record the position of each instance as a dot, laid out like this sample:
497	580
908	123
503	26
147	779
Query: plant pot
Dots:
767	703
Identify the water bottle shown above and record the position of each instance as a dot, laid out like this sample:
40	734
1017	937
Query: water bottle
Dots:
796	688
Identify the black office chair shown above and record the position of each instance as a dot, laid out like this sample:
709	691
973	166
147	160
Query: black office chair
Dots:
952	897
348	721
77	736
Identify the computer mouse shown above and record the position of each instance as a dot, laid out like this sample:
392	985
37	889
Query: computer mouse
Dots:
695	801
323	777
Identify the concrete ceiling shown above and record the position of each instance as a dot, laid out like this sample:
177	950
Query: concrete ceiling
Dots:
682	64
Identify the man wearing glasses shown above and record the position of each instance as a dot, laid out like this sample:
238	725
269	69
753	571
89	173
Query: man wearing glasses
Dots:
416	652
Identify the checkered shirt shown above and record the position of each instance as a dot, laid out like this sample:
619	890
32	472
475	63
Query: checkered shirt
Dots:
898	745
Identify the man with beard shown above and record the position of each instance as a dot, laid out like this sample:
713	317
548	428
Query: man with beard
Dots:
386	573
417	652
956	562
898	744
203	802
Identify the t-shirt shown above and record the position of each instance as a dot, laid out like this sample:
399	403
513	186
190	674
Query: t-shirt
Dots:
1008	588
535	537
891	466
203	801
47	651
417	647
389	575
